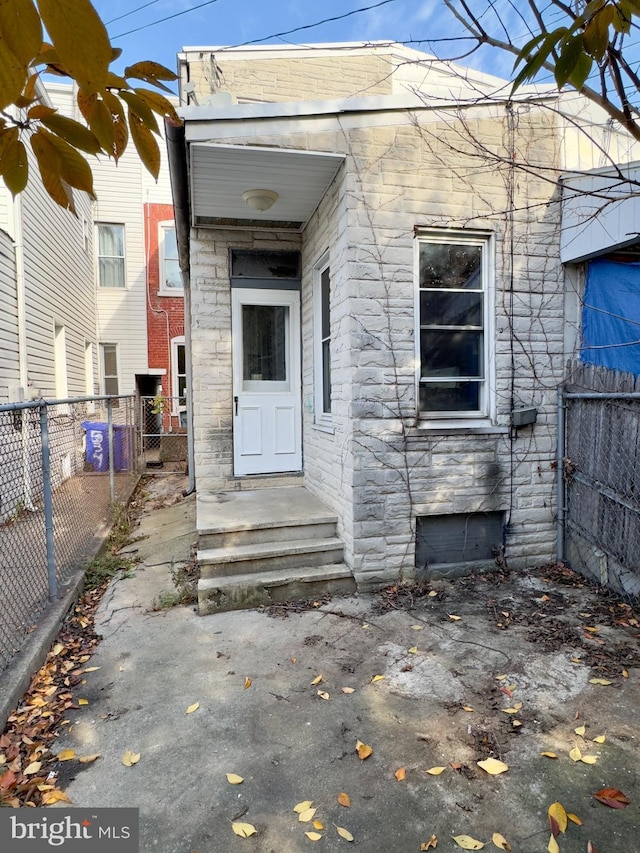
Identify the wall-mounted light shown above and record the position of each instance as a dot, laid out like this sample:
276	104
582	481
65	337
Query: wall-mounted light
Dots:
260	199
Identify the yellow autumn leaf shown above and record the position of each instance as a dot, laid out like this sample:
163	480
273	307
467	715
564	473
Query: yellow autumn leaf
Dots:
574	818
323	694
467	708
457	619
234	779
600	739
552	846
589	759
247	683
400	774
307	815
575	754
344	833
32	768
413	650
576	660
88	759
500	677
602	681
435	771
318	824
432	593
366	625
428	845
625	674
316	680
66	755
467	842
363	750
130	758
145	143
313	836
557	814
418	627
500	841
244	830
348	690
303	806
580	730
344	799
55	796
516	723
83	701
91	669
510	710
192	708
549	754
493	766
377	678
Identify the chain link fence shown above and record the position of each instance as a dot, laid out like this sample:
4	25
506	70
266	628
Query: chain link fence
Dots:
163	422
63	464
600	514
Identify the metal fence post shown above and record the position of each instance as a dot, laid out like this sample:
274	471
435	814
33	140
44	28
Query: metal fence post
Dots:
48	502
112	482
560	475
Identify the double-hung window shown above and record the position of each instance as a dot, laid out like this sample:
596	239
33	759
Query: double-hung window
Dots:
322	342
170	275
453	343
109	369
111	259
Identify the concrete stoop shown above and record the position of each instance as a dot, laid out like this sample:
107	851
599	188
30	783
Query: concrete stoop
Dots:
267	546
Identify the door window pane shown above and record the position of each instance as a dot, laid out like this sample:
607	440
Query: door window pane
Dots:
264	337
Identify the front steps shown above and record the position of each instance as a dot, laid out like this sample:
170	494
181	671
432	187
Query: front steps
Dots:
263	546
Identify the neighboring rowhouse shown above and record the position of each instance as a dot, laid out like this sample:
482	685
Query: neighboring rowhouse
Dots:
378	312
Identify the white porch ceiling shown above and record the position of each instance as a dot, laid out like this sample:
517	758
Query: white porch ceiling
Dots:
221	173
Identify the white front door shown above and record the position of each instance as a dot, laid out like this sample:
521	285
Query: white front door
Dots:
267	423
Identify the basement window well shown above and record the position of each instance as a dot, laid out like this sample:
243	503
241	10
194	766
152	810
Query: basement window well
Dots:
464	541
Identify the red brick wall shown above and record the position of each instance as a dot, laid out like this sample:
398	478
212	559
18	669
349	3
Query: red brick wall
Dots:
165	314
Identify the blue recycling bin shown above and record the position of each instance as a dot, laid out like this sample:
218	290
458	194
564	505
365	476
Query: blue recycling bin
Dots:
97	446
122	446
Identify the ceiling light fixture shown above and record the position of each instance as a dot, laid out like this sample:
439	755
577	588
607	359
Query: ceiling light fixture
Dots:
260	199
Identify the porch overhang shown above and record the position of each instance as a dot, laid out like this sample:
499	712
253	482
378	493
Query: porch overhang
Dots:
220	174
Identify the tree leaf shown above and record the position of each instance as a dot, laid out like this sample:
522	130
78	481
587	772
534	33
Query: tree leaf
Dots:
100	121
159	104
493	766
151	72
549	754
234	779
302	807
344	799
75	170
79	136
139	107
192	708
247	680
467	842
581	730
552	846
428	845
400	774
348	690
557	818
323	694
344	833
377	678
89	759
307	815
575	754
589	759
49	167
454	619
435	771
467	708
318	824
316	680
418	627
80	40
612	797
21	29
244	830
413	650
500	841
32	769
363	750
574	818
313	836
600	739
603	681
130	758
66	755
14	164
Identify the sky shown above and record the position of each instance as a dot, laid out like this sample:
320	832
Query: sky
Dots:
139	28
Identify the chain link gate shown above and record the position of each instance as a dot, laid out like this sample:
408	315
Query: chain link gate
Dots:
163	432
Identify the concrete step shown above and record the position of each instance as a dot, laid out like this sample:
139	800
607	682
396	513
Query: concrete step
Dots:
241	592
261	534
270	556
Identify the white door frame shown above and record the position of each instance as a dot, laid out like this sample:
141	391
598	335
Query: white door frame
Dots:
267	415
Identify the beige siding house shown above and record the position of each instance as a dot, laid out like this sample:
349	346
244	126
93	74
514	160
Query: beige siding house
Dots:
378	314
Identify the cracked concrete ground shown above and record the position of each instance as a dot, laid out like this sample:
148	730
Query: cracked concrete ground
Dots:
447	683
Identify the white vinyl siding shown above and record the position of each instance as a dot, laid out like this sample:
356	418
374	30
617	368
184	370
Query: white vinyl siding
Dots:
9	354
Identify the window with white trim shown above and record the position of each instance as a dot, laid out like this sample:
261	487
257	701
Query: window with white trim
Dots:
60	361
179	377
453	352
109	369
322	341
111	258
170	275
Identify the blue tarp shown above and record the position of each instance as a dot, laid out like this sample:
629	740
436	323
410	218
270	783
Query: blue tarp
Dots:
611	316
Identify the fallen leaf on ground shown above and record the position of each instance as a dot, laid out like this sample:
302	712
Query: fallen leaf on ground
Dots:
493	766
313	836
500	841
574	818
510	710
435	771
589	759
344	833
625	674
557	818
344	799
88	759
244	830
413	650
552	846
467	842
234	779
307	815
457	619
317	680
575	754
247	684
603	681
318	824
467	708
599	739
428	845
83	701
581	730
418	627
377	678
66	755
130	758
432	593
549	754
323	694
400	774
591	847
55	796
348	690
612	797
192	708
32	768
91	669
303	806
500	677
363	750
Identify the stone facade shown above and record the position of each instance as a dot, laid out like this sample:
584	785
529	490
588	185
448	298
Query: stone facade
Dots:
381	466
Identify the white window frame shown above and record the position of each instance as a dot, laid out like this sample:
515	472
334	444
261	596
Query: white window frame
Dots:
163	290
321	417
122	257
485	415
103	374
176	407
60	361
